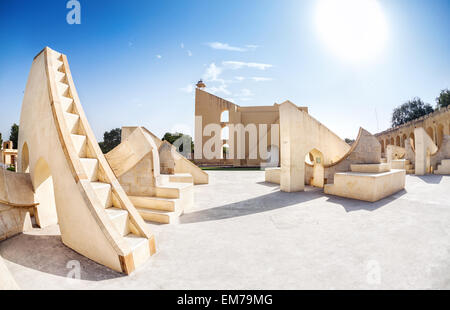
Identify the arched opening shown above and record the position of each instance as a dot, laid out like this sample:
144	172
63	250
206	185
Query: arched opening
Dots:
44	194
316	159
392	141
397	141
440	135
412	141
225	151
387	143
25	163
430	132
404	137
225	134
382	146
225	116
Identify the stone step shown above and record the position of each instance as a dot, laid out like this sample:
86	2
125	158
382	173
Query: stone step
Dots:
90	166
66	103
154	203
159	216
119	218
63	88
140	249
181	178
72	121
370	168
103	191
79	143
172	190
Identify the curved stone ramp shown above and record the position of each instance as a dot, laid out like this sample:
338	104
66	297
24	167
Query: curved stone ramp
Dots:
7	281
365	150
16	189
136	163
71	177
182	164
300	133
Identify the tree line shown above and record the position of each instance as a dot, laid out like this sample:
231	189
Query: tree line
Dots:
112	138
415	108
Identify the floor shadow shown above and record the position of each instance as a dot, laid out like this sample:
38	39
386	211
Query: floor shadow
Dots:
430	178
268	184
268	202
351	205
48	254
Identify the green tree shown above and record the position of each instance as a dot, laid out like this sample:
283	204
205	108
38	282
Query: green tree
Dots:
409	111
111	139
1	140
173	137
349	141
14	136
444	99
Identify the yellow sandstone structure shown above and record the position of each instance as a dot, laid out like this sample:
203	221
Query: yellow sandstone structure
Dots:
424	142
236	123
71	178
8	154
138	163
17	203
311	154
100	201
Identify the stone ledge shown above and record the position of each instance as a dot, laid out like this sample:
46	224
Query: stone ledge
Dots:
366	186
370	168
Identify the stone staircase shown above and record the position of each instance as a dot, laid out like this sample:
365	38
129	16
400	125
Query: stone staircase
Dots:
443	167
170	201
409	167
118	216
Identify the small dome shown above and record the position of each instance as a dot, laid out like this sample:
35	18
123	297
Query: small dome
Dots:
200	84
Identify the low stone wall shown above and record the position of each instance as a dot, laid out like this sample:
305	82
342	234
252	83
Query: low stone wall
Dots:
272	175
13	221
369	187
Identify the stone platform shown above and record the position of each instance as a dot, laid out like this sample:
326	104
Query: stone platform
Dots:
370	185
272	175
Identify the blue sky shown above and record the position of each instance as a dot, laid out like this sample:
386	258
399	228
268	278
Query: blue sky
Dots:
135	62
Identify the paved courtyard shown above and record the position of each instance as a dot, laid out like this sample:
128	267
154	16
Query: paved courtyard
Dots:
246	234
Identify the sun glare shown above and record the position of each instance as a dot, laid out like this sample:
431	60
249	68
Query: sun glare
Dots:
356	30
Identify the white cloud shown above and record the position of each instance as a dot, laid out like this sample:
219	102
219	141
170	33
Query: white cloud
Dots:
235	65
252	46
221	89
189	53
255	79
261	79
188	89
245	93
212	73
227	47
182	45
158	56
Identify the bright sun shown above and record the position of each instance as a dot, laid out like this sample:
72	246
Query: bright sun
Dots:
355	30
